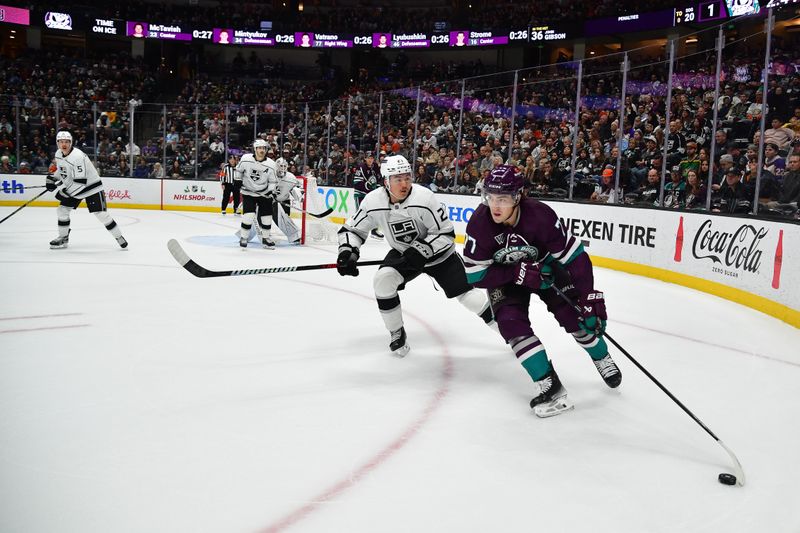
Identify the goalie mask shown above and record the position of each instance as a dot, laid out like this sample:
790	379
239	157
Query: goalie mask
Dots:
281	166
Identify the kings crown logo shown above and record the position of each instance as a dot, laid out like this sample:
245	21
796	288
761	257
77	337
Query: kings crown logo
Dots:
404	231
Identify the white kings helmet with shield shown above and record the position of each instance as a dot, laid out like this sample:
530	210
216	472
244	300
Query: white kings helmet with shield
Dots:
64	135
394	165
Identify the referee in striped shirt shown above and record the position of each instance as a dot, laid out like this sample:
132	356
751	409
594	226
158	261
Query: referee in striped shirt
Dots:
231	184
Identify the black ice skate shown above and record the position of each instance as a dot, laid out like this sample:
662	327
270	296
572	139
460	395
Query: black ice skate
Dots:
552	398
398	345
243	242
608	371
60	242
268	243
122	242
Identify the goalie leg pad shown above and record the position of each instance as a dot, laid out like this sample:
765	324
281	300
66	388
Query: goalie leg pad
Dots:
287	226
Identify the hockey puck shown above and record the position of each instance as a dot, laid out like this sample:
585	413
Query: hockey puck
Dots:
727	479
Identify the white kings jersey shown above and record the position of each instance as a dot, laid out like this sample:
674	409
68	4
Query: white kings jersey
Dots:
419	217
77	174
258	177
285	185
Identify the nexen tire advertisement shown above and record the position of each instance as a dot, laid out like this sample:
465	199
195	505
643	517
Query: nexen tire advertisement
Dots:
751	261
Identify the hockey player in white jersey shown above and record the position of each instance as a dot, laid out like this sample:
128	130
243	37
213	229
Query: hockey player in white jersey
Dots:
288	188
259	185
76	179
421	235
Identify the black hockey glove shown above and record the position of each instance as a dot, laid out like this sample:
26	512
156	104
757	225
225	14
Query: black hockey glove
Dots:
346	263
418	254
51	184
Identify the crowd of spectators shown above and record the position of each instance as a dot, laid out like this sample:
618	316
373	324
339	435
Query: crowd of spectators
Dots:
190	136
51	91
542	142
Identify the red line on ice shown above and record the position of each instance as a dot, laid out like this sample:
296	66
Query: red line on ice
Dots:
387	452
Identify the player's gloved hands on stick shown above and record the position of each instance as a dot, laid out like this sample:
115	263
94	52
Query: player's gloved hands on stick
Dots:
346	263
418	254
593	313
51	184
534	275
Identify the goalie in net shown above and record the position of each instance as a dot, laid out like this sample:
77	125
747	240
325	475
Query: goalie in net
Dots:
302	194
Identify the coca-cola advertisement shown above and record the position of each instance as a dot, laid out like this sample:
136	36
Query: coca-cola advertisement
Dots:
750	261
731	253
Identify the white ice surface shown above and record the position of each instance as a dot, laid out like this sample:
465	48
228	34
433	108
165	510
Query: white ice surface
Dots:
135	397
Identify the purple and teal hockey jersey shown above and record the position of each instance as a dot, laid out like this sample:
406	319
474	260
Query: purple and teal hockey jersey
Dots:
491	250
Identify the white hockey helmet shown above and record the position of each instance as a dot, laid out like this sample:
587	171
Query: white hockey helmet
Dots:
281	167
260	143
64	135
394	165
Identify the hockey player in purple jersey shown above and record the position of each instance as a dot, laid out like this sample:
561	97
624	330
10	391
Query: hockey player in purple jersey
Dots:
367	178
516	247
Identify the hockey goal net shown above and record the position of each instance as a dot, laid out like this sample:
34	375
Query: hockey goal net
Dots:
314	229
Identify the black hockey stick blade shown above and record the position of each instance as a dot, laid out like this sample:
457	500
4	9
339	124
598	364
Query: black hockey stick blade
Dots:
315	215
15	211
201	272
321	215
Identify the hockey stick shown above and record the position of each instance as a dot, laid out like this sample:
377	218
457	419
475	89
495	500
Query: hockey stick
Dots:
319	215
24	205
201	272
316	215
736	464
